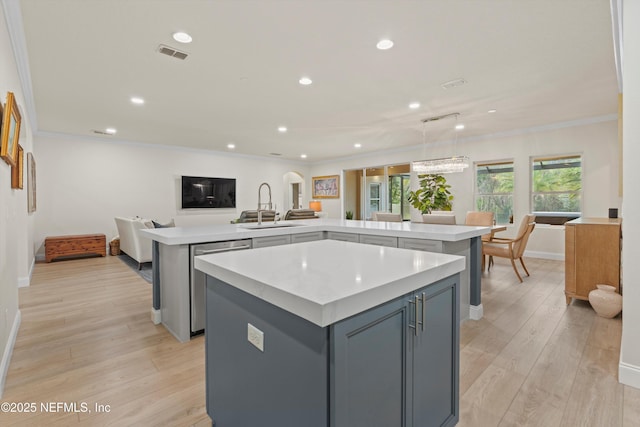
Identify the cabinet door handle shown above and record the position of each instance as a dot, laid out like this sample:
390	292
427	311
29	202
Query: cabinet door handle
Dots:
415	314
424	309
418	322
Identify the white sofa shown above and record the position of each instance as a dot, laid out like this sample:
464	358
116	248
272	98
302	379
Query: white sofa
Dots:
131	243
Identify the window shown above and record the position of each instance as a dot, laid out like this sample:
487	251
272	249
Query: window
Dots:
399	188
374	198
556	190
494	190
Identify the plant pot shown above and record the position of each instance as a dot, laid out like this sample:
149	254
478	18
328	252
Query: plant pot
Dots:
606	301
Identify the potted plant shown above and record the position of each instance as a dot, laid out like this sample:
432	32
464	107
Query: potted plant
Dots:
433	194
349	215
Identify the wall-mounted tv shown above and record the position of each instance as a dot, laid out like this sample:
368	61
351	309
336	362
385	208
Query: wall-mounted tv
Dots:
200	192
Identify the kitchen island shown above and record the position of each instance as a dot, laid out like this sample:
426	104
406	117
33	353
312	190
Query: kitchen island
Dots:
173	261
332	333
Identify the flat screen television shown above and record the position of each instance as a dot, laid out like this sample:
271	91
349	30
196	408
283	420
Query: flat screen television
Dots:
200	192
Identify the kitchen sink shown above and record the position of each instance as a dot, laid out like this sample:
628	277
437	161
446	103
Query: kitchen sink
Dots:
270	225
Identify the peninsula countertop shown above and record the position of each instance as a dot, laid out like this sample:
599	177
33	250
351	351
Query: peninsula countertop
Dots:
220	232
326	281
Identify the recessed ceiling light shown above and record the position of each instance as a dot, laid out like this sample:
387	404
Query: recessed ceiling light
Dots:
231	146
492	111
111	131
305	81
357	145
384	44
282	129
182	37
303	156
137	100
459	126
414	105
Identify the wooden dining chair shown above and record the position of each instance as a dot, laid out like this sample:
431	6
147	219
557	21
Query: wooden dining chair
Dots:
513	249
481	218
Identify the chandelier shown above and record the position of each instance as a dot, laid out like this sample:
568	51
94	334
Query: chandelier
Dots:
443	165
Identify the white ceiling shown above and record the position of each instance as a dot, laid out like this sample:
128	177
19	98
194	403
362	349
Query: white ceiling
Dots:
538	62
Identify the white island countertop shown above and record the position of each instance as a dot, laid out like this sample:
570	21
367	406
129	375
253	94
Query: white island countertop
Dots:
326	281
220	232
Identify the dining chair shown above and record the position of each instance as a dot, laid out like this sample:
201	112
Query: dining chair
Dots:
439	217
387	216
485	219
513	249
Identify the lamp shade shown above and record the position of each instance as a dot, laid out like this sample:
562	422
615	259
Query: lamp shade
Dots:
316	205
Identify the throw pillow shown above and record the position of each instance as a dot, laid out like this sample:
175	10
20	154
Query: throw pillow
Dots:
167	225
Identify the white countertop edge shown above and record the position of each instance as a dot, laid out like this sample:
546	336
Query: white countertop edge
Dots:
327	314
221	232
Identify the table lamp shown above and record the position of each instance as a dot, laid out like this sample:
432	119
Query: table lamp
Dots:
316	205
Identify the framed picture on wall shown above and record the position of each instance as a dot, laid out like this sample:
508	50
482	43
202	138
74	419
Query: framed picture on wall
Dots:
10	131
17	171
325	187
31	183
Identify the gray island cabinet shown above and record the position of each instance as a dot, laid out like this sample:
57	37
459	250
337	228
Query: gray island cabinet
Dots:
332	334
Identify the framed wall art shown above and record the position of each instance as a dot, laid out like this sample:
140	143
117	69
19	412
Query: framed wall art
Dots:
10	131
31	183
325	187
17	171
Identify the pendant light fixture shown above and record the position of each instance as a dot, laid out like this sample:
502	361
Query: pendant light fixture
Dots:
443	165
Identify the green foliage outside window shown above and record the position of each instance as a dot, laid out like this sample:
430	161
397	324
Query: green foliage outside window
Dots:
494	190
557	185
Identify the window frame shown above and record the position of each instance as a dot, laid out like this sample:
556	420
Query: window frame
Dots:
477	193
550	217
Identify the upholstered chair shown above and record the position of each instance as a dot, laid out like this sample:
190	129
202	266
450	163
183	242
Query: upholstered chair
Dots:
440	217
387	217
484	219
513	249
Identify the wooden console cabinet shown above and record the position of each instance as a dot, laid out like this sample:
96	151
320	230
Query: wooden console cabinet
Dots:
592	255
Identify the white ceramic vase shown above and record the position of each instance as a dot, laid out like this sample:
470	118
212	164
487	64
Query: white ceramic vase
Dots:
606	301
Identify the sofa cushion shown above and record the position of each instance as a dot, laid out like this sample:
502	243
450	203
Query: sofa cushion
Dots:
169	224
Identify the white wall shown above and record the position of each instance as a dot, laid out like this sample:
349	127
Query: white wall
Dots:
629	370
595	141
84	183
16	227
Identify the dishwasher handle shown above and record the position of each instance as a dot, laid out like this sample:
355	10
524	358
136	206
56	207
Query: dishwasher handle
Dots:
213	251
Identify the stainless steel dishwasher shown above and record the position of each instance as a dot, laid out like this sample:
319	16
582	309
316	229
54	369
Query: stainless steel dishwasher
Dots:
198	278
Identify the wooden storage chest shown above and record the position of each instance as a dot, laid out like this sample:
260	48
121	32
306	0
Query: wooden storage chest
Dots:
75	245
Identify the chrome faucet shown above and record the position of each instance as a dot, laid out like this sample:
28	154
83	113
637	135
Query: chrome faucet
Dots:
260	204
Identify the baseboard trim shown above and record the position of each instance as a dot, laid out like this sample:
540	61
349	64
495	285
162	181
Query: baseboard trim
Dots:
8	351
156	316
24	282
629	375
476	312
544	255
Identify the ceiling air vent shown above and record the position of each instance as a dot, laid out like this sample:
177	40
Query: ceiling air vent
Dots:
101	132
453	83
169	51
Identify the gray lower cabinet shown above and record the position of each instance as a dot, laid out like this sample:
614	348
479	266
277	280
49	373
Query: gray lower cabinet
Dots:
369	239
388	371
420	244
394	365
263	242
307	237
344	237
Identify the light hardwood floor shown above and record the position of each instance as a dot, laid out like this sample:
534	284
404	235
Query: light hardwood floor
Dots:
86	336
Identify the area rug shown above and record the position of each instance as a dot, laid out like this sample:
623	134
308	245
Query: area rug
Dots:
146	272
